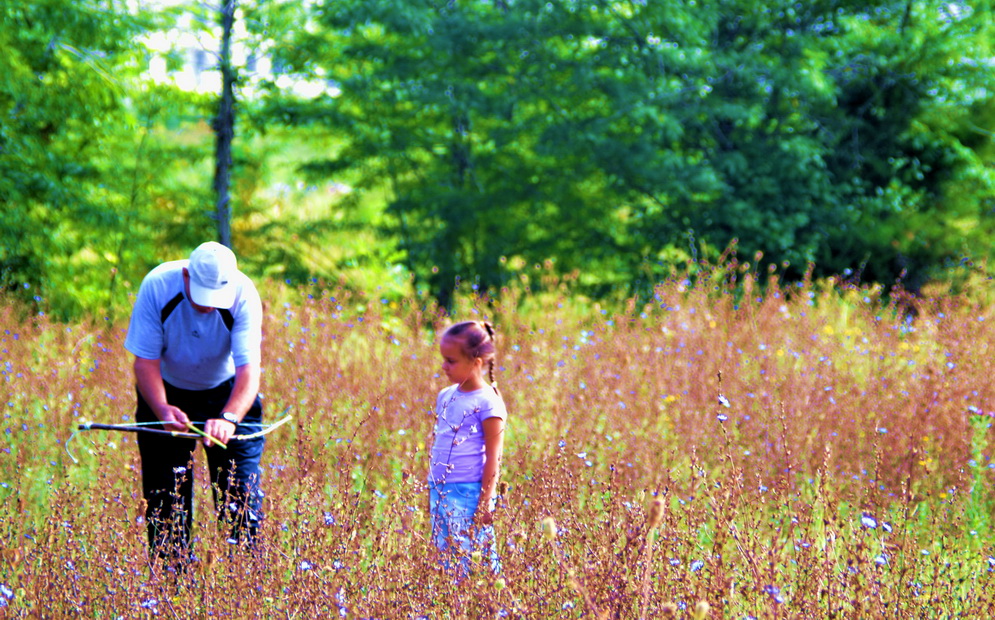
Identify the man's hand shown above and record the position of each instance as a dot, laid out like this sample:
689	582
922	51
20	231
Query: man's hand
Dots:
148	377
222	430
174	418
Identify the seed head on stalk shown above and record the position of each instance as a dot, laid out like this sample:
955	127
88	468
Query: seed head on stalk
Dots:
549	529
655	516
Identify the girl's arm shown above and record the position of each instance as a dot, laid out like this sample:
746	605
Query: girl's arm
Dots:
493	451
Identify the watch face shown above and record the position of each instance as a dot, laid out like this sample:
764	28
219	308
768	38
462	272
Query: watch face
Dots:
230	417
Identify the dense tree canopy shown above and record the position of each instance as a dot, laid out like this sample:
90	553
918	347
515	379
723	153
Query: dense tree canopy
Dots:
58	64
602	134
84	192
463	140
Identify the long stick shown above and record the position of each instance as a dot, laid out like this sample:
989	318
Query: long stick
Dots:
96	426
266	430
93	426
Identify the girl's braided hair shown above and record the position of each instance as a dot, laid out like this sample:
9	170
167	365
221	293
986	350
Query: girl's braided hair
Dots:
476	339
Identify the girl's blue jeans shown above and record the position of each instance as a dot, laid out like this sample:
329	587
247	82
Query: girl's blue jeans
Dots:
453	506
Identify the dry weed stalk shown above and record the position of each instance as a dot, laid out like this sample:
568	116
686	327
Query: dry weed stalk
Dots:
839	412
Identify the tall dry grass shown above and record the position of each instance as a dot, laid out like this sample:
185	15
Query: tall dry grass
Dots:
847	477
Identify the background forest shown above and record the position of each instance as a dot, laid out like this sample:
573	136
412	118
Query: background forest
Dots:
466	141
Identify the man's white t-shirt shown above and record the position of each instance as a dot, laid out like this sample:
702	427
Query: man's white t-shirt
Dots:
197	350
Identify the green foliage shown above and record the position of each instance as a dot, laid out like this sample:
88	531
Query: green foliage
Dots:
606	141
59	86
597	134
87	191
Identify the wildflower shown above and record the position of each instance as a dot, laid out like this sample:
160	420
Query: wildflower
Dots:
775	593
669	610
868	522
305	565
500	583
697	565
724	401
722	417
881	560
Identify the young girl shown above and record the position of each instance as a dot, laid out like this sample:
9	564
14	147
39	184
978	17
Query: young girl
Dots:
467	449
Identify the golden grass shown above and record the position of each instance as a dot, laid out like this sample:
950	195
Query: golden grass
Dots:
845	478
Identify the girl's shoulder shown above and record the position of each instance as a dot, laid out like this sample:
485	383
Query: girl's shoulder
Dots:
489	402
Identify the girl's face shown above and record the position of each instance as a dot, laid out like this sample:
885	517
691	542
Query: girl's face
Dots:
458	367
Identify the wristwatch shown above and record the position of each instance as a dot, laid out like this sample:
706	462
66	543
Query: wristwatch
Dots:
228	416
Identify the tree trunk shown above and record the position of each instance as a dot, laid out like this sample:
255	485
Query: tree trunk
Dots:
224	127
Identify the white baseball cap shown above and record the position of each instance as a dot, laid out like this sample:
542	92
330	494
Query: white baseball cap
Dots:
212	271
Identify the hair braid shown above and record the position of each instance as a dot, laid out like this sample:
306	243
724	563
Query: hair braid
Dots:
490	362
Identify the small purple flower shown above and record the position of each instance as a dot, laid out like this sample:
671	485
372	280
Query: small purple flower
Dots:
774	593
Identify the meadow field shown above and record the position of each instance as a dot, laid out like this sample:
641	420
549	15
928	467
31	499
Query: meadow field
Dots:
723	450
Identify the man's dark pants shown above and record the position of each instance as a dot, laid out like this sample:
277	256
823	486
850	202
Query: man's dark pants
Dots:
167	479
